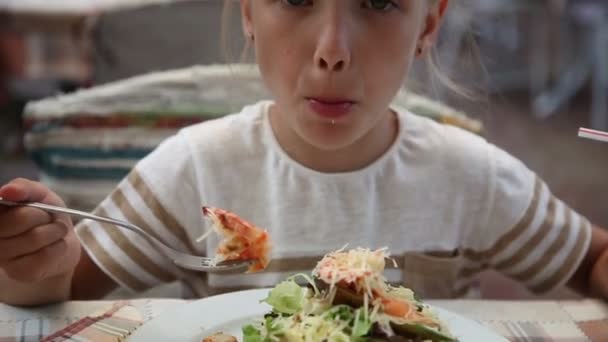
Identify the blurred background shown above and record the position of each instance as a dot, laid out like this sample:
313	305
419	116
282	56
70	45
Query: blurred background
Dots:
537	71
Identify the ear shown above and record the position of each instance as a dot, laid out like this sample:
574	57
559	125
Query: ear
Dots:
432	23
246	18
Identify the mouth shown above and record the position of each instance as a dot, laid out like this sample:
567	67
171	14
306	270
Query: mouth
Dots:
331	108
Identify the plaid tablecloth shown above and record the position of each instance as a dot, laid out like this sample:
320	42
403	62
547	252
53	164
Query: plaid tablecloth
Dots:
533	321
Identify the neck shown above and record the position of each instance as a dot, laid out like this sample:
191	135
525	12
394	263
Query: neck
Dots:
355	156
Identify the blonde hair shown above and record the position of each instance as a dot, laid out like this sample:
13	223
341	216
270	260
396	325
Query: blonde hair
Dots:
226	33
438	75
431	60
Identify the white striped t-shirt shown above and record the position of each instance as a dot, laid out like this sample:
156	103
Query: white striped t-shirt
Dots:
446	202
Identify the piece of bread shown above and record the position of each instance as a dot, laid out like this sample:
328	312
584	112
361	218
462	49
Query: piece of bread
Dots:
220	337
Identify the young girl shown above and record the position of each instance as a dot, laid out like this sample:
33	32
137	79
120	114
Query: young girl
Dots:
327	162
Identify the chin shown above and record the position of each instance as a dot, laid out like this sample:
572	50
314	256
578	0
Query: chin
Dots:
327	137
329	145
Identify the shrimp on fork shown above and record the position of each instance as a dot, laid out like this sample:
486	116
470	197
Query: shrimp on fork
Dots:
241	240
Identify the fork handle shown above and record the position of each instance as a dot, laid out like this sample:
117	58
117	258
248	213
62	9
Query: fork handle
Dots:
61	210
85	215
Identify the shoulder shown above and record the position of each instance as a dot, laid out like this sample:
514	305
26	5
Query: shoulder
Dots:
454	150
221	141
238	133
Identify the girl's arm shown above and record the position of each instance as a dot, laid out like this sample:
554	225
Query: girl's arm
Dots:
89	281
591	278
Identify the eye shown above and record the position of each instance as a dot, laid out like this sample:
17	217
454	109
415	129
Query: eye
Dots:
298	3
379	5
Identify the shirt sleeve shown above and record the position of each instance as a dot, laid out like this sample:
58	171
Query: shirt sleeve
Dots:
528	234
160	196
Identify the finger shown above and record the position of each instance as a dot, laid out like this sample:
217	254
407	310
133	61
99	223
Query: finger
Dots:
24	190
19	220
3	208
31	241
37	266
20	190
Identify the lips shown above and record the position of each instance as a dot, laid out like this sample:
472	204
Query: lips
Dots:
331	108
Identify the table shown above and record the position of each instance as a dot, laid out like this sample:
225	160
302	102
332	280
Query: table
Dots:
585	320
74	6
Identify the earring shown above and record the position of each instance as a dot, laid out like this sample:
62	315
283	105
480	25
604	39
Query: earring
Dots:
419	51
251	36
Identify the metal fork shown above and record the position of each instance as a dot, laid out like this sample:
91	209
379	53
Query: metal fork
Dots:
181	259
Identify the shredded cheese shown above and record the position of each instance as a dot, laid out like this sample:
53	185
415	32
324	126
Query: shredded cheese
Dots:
361	268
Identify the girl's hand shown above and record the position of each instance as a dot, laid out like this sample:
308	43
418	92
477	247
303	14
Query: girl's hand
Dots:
599	277
35	245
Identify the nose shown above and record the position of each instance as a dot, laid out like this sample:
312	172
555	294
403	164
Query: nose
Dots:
333	52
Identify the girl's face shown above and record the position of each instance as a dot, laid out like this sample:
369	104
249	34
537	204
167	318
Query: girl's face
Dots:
334	66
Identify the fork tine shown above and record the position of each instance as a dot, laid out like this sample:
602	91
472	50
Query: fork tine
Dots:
209	265
234	263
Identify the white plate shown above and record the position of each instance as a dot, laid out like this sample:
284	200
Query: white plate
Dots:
230	312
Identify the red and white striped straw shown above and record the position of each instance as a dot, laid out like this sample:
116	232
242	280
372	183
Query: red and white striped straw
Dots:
593	134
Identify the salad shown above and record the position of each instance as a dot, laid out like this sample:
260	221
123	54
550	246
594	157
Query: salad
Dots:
346	298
